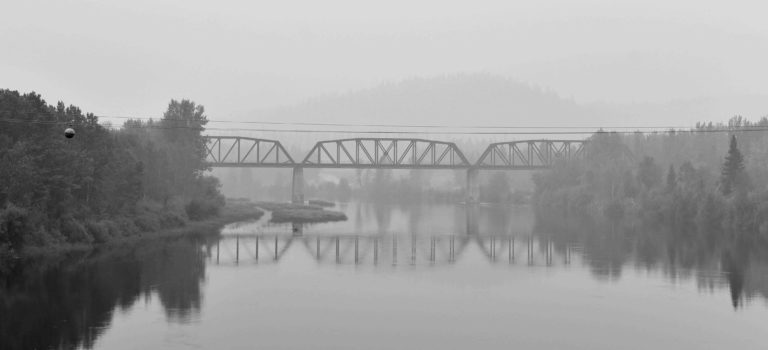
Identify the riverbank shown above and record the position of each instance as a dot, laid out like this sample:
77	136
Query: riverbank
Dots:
300	213
233	211
321	203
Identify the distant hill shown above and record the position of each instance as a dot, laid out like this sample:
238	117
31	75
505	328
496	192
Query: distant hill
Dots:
690	111
470	99
485	99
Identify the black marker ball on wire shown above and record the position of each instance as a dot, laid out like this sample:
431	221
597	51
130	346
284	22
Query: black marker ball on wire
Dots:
69	133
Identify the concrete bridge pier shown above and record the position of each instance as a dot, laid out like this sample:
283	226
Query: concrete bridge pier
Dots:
297	187
473	186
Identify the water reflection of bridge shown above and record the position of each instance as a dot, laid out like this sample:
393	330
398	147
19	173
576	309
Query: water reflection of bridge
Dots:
385	249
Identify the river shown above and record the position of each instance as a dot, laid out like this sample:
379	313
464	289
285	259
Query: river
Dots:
395	276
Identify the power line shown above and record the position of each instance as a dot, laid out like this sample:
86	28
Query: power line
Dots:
552	132
412	125
431	126
491	132
581	129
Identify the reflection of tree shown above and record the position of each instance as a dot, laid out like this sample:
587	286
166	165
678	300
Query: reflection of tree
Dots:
358	219
607	248
735	275
180	293
414	218
66	302
383	215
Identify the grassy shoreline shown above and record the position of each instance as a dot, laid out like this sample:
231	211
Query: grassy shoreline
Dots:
321	203
233	211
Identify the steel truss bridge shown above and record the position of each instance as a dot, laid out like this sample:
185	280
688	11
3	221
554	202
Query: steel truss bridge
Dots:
385	249
389	153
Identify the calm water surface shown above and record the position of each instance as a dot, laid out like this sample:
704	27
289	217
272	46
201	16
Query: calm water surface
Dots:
407	277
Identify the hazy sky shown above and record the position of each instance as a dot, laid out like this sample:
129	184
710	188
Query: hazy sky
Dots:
131	57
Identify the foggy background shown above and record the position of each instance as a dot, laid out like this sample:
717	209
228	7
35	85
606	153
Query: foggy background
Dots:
602	62
655	236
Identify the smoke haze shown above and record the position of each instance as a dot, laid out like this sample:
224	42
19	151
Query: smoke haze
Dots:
237	57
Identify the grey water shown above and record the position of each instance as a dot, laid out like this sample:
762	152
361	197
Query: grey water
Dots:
443	276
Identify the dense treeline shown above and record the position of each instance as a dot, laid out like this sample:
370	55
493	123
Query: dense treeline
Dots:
102	184
712	181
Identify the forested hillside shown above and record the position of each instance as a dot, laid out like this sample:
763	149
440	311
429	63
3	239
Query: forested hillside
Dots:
483	99
712	180
463	99
102	184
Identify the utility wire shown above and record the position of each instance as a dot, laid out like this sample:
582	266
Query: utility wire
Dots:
412	125
431	126
553	132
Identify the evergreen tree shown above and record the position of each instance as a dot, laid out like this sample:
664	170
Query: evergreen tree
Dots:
630	190
648	173
732	174
687	176
710	214
671	178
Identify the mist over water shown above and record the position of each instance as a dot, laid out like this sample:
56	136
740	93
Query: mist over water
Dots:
519	279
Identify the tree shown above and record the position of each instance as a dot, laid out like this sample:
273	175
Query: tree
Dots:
710	214
182	126
648	173
630	190
732	175
688	177
671	178
497	189
183	121
344	189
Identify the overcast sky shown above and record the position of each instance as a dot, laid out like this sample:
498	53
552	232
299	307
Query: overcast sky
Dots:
131	57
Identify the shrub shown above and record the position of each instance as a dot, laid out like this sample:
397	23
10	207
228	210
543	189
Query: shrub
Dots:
14	222
147	222
112	227
6	256
126	226
99	231
173	219
199	209
38	236
206	200
74	231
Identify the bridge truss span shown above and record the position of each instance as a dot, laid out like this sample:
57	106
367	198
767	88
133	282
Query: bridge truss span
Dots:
235	151
529	154
392	153
389	153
